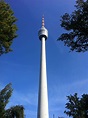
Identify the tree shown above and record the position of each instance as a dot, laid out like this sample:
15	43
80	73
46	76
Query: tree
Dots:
77	107
77	26
13	112
8	27
5	94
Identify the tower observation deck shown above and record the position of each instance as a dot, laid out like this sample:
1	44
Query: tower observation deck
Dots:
43	111
43	32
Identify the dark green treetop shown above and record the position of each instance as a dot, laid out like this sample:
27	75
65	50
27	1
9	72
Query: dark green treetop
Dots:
13	112
8	27
77	26
77	107
5	94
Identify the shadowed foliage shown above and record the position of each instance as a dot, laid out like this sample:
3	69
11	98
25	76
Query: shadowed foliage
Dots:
13	112
77	107
7	27
77	26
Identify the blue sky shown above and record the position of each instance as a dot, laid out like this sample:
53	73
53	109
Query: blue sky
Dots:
67	72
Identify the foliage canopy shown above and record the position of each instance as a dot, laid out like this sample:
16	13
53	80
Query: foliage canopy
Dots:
8	27
77	107
13	112
77	26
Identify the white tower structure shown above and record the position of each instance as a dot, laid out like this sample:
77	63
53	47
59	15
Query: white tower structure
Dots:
43	93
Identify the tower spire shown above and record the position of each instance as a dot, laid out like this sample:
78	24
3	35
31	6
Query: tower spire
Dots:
43	24
43	32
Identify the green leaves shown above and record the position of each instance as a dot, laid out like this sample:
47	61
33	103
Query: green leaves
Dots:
7	27
77	26
13	112
5	94
77	107
16	111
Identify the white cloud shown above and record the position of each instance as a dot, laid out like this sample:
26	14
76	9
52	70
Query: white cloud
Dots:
25	99
29	101
30	114
58	93
57	97
1	86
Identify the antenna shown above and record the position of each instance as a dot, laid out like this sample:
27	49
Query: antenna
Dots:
43	21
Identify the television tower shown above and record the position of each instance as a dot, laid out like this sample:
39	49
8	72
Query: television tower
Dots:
43	93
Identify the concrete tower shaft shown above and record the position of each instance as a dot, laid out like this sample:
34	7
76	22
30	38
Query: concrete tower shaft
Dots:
43	94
